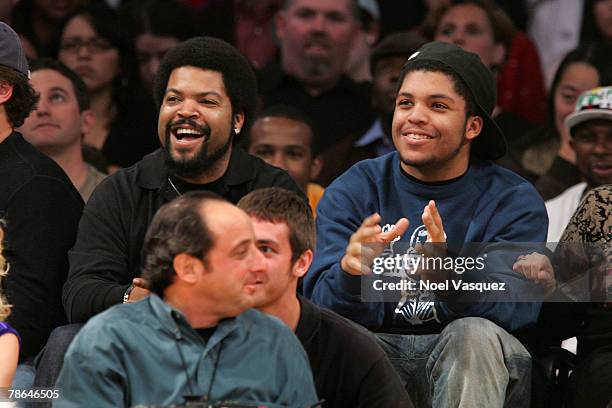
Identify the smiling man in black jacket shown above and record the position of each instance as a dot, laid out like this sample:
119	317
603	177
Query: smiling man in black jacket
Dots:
206	92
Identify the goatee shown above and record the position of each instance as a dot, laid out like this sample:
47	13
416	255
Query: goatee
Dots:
202	161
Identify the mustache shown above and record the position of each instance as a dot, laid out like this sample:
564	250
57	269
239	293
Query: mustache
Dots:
321	40
204	128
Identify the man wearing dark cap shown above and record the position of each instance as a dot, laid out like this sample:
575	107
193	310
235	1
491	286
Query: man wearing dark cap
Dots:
386	62
452	345
206	92
40	209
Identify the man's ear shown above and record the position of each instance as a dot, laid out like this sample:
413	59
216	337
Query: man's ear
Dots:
316	166
373	35
6	91
188	268
473	127
88	120
572	143
499	54
238	122
280	24
301	265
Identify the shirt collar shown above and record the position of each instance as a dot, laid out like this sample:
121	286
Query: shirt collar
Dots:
153	174
175	321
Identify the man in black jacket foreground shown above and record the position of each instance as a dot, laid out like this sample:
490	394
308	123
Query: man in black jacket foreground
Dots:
349	367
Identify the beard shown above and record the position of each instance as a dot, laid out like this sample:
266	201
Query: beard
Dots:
315	66
202	161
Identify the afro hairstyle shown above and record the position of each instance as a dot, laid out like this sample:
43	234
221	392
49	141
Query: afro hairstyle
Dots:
215	55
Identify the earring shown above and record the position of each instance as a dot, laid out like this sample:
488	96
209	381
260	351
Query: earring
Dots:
236	130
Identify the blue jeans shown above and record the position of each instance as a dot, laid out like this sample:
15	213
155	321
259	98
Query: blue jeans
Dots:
471	363
24	376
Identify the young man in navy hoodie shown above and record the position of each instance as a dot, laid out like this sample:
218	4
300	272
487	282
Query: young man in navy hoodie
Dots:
451	347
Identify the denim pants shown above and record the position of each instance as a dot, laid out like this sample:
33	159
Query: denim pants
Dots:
471	363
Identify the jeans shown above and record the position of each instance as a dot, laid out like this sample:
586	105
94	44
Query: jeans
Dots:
24	376
23	379
51	358
471	363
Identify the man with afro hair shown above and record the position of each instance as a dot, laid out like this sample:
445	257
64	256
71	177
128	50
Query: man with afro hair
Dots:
206	92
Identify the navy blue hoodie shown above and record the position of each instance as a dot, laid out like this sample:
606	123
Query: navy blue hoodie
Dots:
488	204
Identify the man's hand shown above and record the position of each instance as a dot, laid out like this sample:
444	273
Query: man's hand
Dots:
367	243
433	222
435	245
537	267
140	290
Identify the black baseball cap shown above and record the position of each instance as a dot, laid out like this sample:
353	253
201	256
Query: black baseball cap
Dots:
403	43
490	144
11	52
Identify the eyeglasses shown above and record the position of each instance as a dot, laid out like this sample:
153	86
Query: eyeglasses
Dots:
95	45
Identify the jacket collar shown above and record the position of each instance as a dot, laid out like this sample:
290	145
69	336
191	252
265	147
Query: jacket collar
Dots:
152	173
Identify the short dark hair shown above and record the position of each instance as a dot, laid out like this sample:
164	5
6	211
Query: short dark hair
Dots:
24	98
275	204
177	227
502	26
161	17
80	89
355	9
288	112
471	108
215	55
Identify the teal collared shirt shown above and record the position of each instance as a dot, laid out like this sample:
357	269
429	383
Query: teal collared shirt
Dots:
147	353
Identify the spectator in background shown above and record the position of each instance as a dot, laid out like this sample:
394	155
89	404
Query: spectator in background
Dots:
590	128
60	120
283	136
41	22
358	64
9	338
159	25
386	62
584	254
350	369
482	27
546	152
554	26
41	209
96	45
248	24
316	37
596	21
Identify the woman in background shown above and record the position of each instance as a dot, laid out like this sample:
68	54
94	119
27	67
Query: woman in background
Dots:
545	152
96	46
